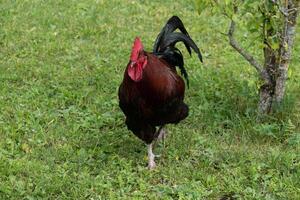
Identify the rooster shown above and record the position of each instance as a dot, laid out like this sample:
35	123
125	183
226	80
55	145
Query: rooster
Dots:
152	93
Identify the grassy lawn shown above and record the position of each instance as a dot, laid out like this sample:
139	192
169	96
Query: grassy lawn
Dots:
62	134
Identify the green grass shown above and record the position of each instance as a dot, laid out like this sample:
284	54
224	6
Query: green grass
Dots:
62	135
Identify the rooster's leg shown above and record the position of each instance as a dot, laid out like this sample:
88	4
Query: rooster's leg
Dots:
151	156
162	134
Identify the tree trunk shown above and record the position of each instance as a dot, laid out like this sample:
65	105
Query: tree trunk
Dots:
266	91
265	99
289	30
276	62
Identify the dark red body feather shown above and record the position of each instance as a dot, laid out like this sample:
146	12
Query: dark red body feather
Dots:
155	100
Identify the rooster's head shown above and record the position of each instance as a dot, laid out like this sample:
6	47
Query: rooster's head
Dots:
138	60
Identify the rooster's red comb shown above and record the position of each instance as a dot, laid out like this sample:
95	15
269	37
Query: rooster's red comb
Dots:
137	46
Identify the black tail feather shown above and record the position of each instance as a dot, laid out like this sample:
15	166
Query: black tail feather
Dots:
175	37
164	45
172	24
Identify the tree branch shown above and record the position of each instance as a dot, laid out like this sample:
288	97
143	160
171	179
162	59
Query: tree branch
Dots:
259	68
285	51
289	30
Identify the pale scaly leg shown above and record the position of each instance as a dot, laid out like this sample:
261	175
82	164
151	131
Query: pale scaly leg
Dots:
151	156
162	134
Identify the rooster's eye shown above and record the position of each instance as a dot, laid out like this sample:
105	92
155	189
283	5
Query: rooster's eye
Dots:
132	64
140	53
